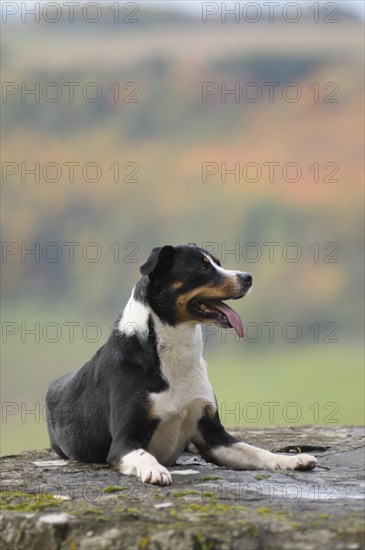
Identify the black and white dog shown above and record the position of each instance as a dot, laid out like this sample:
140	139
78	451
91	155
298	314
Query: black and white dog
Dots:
145	394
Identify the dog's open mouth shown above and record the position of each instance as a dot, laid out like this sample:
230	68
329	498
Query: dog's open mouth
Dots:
219	312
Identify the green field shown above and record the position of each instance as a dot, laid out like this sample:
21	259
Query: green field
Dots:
294	386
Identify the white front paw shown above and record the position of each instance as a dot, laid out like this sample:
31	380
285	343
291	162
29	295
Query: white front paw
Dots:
156	474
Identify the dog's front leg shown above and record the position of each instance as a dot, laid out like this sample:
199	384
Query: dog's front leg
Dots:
219	447
144	465
138	462
131	435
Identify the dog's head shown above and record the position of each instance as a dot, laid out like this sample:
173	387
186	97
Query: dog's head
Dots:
186	283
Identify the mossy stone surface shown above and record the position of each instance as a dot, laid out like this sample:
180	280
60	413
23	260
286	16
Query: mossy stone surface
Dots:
63	505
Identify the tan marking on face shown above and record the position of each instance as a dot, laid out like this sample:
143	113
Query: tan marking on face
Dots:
225	291
176	286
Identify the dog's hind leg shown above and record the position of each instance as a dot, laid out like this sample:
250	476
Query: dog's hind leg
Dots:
54	445
219	447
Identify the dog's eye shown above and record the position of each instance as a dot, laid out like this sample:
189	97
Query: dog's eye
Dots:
203	268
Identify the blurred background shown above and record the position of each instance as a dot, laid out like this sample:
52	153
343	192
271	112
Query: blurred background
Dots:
131	125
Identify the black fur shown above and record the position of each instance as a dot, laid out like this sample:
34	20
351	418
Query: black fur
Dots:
87	408
213	434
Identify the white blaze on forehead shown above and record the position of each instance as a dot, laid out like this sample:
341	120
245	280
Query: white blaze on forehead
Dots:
226	272
134	318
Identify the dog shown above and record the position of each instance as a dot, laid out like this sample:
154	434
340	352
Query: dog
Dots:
145	394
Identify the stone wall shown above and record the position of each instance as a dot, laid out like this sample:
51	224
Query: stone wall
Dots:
52	504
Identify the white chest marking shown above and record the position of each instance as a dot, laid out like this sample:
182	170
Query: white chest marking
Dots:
182	404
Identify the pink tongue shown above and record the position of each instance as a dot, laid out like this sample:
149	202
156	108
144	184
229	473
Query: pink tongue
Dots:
233	317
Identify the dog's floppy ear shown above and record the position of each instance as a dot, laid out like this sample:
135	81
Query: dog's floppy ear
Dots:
159	261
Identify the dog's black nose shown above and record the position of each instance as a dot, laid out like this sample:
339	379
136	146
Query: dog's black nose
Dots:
246	278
